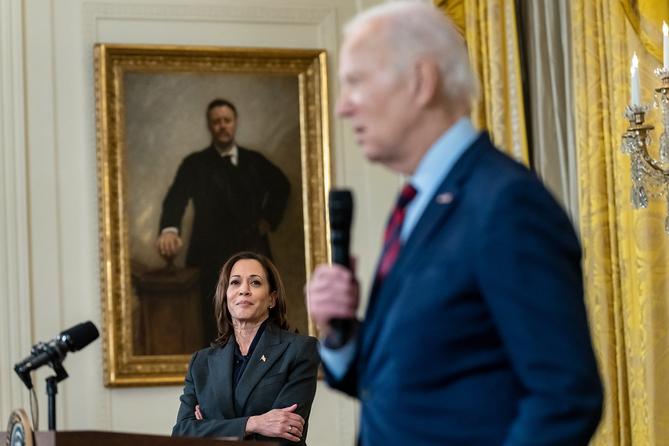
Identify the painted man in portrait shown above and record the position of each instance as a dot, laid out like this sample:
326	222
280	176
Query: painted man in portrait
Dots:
238	197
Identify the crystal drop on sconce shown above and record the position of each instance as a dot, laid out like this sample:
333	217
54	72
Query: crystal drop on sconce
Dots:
664	146
639	197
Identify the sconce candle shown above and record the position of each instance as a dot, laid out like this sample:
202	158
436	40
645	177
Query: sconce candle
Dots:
635	88
665	44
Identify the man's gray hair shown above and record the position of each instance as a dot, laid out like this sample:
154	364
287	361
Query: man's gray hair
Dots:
414	29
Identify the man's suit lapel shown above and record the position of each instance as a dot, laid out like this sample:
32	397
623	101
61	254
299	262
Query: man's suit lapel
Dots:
444	201
434	218
220	370
270	348
242	156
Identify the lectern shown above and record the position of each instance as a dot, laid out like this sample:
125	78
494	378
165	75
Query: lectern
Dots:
101	438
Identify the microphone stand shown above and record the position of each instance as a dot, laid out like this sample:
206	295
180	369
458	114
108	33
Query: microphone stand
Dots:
52	390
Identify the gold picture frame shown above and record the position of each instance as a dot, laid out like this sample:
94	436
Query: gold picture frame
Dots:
149	99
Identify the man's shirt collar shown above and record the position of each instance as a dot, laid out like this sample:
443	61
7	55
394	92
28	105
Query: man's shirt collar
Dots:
233	153
433	168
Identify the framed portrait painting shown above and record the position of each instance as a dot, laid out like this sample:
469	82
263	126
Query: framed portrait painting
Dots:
162	172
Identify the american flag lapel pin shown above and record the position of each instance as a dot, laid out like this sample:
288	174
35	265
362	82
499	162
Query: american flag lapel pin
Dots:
444	198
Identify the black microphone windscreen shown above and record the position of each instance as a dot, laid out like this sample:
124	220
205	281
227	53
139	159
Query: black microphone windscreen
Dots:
341	209
80	335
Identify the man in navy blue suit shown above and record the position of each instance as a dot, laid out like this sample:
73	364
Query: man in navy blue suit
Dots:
476	331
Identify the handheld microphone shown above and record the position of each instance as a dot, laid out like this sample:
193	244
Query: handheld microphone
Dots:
341	214
54	351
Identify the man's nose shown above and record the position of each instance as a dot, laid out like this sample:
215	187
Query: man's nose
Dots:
344	106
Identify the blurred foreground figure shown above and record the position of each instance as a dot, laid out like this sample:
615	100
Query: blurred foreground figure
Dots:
476	331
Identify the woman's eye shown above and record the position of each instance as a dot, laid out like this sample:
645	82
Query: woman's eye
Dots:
234	282
255	282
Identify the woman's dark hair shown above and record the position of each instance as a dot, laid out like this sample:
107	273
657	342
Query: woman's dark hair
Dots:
277	314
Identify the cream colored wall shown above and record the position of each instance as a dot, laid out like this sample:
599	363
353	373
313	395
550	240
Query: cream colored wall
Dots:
48	219
15	304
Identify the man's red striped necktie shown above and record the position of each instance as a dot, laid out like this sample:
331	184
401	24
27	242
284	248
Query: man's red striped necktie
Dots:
391	239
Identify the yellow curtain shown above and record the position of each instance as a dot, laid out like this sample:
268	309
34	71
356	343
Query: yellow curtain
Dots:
626	260
646	17
489	27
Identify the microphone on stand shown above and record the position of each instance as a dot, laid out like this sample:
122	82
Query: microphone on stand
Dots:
340	213
54	351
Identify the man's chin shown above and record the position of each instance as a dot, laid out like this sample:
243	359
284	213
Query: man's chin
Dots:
383	158
224	143
372	154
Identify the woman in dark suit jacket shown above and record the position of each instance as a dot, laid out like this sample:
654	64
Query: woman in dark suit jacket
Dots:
257	380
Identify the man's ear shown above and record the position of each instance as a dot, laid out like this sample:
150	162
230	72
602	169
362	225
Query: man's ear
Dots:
426	80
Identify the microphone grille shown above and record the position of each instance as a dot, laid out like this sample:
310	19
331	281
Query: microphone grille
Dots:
80	335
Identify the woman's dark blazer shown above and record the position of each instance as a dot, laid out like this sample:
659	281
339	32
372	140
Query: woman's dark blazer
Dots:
282	371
